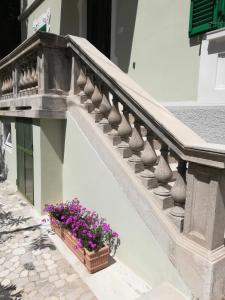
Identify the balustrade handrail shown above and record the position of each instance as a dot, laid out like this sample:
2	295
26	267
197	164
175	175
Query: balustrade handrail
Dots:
180	138
34	42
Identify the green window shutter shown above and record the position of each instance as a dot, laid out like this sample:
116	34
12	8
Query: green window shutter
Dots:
203	16
221	14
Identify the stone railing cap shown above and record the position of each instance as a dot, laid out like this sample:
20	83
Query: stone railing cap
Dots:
39	38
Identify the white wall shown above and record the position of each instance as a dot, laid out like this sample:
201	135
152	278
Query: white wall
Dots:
55	7
212	68
87	177
10	154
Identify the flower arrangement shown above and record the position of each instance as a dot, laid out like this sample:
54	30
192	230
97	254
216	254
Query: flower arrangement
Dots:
91	231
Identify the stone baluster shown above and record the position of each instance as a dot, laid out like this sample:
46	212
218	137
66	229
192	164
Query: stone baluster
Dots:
25	79
35	72
10	84
124	132
96	99
163	174
178	193
33	77
21	83
105	109
6	85
29	80
114	119
81	82
3	86
89	90
149	159
136	144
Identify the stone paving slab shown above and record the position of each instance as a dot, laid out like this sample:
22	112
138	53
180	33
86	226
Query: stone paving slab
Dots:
30	265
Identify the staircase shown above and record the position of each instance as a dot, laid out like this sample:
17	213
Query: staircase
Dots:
173	178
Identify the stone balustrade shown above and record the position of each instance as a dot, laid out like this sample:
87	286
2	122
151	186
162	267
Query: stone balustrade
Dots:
28	77
183	174
31	80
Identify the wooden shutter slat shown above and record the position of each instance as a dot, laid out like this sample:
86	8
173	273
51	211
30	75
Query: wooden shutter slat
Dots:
202	16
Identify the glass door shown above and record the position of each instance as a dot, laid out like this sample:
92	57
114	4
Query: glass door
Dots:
25	167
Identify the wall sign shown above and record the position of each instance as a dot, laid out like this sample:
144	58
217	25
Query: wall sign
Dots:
43	22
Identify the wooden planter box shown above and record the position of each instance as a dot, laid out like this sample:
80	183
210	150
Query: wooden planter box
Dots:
94	261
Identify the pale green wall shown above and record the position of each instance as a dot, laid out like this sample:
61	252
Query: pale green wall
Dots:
151	34
48	140
166	66
87	177
55	7
37	165
69	17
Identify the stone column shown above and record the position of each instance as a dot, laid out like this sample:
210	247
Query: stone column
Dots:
15	77
204	220
42	67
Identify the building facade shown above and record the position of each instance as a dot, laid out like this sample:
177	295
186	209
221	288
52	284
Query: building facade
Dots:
54	153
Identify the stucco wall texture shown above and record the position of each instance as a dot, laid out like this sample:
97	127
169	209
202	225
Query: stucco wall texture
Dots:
208	120
87	177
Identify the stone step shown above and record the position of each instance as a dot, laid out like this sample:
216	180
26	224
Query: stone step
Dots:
163	292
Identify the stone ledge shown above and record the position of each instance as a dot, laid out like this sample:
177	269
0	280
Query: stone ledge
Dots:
38	106
164	292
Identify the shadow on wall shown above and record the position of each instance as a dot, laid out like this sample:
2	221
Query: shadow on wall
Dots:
69	18
125	18
216	46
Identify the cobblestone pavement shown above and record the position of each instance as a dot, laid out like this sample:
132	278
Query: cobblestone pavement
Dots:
30	265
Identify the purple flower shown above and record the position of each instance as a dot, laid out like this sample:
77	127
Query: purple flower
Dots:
69	220
105	227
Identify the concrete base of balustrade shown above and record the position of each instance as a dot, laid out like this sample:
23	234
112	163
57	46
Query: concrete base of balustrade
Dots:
115	139
125	152
106	128
89	106
137	167
163	292
96	116
37	106
177	221
164	202
149	183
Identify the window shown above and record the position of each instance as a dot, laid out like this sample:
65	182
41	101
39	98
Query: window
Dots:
206	15
7	138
